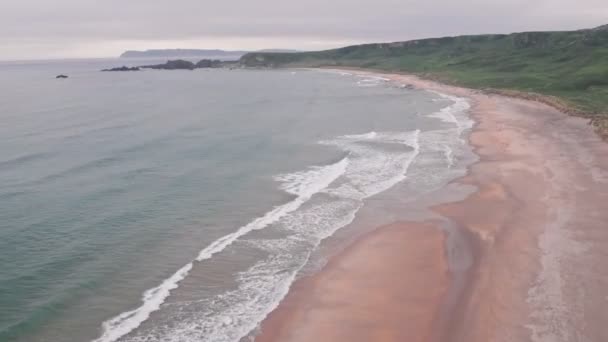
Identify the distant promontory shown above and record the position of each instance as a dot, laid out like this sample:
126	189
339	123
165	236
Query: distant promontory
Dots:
171	53
123	68
193	53
180	64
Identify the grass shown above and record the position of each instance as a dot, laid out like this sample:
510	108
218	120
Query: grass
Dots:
571	66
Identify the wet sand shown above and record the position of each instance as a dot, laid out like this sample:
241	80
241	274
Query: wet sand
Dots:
536	228
360	297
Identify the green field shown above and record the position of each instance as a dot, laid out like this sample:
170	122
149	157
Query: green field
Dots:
572	66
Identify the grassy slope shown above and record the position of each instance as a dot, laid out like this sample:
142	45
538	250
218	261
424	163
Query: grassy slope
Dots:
570	65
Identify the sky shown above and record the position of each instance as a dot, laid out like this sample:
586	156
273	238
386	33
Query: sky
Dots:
43	29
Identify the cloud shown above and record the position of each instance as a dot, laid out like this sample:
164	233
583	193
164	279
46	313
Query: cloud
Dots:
74	28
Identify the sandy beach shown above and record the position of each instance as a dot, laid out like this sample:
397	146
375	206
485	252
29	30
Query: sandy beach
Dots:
323	307
536	229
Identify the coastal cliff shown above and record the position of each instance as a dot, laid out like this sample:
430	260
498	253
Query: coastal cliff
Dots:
569	65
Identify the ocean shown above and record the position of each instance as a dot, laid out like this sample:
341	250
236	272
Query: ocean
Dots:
181	205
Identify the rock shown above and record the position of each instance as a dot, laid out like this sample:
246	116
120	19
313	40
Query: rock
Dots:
61	76
178	64
123	68
208	63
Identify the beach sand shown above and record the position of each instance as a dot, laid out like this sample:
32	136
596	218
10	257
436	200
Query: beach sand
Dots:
361	297
537	227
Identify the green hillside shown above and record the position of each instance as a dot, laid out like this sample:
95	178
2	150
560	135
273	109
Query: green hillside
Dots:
572	66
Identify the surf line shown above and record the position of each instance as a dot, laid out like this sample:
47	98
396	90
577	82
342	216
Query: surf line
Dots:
153	298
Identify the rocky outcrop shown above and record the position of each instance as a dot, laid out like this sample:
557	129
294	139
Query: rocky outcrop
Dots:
61	76
181	64
123	68
209	63
178	64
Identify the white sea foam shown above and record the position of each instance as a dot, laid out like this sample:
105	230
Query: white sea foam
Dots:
308	182
310	225
371	81
371	172
449	155
304	184
365	136
228	317
554	317
335	71
456	113
375	162
152	299
327	199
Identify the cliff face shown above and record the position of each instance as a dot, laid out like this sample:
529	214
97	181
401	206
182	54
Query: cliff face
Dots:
572	65
450	46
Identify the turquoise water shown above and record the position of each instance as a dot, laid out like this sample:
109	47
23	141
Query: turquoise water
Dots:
205	192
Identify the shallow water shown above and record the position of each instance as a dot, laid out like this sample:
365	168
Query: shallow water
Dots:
180	206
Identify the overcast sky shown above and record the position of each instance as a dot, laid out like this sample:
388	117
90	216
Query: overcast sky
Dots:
31	29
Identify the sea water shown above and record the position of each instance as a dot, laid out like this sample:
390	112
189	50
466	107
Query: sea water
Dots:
181	205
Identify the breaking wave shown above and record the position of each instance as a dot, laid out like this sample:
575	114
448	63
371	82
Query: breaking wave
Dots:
327	198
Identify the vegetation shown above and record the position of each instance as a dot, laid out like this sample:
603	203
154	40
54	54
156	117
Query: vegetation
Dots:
180	64
571	66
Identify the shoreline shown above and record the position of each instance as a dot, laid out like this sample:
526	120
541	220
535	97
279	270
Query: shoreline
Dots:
596	119
498	295
321	306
